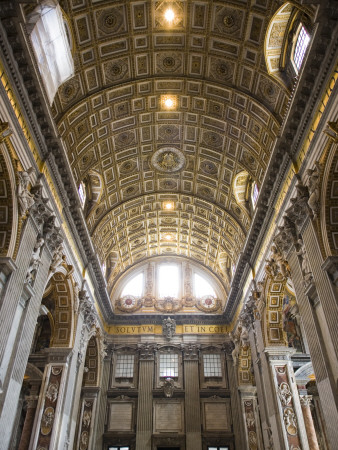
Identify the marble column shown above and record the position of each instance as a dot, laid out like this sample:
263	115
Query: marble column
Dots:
192	399
305	401
144	425
32	401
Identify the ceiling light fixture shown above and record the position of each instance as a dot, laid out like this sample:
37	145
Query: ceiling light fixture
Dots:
169	15
168	237
168	205
168	101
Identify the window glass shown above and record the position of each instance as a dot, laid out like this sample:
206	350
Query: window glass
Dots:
301	46
168	365
134	286
82	193
255	193
51	47
202	287
212	365
124	366
119	448
168	280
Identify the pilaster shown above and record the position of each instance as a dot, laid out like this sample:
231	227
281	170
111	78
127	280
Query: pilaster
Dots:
192	399
144	426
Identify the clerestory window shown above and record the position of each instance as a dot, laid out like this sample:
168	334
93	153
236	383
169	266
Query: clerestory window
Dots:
51	46
302	43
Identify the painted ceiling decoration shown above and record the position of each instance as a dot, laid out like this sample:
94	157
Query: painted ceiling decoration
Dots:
172	108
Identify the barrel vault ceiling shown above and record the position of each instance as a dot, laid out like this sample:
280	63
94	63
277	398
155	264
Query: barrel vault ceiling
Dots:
136	153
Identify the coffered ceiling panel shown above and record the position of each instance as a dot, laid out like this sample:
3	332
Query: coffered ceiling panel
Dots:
223	119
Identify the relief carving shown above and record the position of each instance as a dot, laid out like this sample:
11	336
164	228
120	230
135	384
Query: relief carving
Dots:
168	387
35	260
169	328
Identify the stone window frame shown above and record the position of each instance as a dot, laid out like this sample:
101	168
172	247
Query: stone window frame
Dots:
167	349
205	382
128	382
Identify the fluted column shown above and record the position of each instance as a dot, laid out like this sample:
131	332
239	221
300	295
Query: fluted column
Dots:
144	425
192	399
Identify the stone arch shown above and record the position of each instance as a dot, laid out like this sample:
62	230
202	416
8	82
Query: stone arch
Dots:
59	299
280	38
10	220
329	210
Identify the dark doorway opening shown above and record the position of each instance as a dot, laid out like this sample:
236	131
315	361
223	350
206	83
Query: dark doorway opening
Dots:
168	448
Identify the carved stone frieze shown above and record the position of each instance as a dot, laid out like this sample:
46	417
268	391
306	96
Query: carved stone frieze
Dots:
87	309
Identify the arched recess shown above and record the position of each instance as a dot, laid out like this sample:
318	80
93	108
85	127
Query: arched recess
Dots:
59	300
10	220
280	39
328	202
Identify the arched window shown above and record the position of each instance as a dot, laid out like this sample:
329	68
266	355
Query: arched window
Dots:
254	194
168	280
82	193
51	46
134	286
302	43
202	287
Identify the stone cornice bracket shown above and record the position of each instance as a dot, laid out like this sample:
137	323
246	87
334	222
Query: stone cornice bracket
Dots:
147	351
331	267
190	351
299	211
286	237
87	309
227	347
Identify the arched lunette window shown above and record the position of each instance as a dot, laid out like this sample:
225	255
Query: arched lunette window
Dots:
51	44
301	45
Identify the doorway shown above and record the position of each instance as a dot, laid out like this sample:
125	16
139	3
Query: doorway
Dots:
168	448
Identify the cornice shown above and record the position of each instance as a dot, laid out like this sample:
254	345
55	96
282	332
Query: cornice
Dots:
317	68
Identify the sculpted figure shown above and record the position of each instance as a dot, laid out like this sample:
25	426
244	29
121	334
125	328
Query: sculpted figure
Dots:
307	273
26	199
244	336
235	352
58	259
313	186
35	260
280	261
